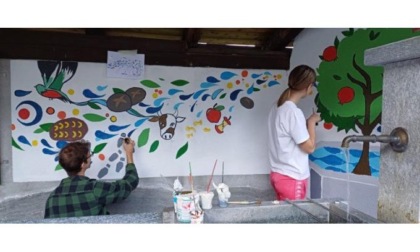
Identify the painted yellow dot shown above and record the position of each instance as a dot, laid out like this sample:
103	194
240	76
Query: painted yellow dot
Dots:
229	85
34	142
113	118
247	85
155	95
76	111
279	76
70	91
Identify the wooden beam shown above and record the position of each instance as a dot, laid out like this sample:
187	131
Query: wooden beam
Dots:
21	44
191	37
280	38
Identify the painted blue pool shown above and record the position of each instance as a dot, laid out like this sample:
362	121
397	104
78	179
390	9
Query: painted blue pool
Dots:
333	159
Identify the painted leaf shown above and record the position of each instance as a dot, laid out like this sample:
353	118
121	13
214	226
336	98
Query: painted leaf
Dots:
179	83
98	148
58	167
182	150
222	96
94	117
39	130
220	107
154	146
149	84
118	91
14	144
46	126
143	137
93	105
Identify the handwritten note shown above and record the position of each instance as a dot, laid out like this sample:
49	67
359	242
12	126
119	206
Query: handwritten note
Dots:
125	66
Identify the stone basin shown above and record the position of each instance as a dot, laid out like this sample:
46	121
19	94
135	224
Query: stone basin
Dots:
307	211
155	205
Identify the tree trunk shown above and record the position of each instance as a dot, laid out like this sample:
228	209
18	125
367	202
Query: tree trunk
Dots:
363	167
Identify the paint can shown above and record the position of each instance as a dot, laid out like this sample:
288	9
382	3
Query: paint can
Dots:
184	203
197	216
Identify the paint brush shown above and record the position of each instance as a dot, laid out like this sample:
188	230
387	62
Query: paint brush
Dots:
211	176
223	170
127	141
191	179
245	202
313	110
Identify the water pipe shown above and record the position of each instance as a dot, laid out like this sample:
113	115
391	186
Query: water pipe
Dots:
398	139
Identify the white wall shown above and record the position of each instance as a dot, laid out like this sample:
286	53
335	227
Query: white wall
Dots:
241	146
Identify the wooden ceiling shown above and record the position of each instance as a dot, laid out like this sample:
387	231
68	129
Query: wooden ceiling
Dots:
257	48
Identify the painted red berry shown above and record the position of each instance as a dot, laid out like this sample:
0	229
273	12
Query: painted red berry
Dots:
330	53
345	95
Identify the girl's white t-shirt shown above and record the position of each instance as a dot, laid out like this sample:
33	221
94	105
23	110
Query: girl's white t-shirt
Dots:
286	130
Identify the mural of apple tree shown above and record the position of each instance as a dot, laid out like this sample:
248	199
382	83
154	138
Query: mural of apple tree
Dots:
350	93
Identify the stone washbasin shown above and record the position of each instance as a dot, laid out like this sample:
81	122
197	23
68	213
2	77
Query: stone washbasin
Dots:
306	211
155	205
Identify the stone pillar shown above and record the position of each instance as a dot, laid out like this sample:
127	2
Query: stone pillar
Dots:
399	179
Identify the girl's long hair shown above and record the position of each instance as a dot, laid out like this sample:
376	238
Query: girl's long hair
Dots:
299	78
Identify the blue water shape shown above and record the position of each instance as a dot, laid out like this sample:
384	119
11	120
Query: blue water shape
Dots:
333	159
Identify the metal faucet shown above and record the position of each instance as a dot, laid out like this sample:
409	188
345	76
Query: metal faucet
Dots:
398	139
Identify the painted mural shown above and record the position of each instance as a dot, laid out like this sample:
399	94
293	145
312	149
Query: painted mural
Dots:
55	102
350	95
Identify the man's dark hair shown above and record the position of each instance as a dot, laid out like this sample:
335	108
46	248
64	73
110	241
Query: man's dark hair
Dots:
73	155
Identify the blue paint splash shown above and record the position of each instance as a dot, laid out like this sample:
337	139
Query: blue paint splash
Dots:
24	140
140	122
153	110
115	128
198	93
176	106
212	79
204	97
141	104
173	91
207	85
234	94
49	152
45	143
216	93
102	135
227	75
22	93
185	97
89	94
193	106
159	101
60	144
101	88
273	82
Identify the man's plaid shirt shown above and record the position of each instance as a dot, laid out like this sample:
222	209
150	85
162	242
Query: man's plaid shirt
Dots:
80	196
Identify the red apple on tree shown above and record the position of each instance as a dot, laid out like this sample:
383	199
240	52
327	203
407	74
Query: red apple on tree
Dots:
214	114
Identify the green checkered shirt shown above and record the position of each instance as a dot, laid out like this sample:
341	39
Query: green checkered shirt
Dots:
80	196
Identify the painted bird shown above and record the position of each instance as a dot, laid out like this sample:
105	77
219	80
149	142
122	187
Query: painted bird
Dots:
54	75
